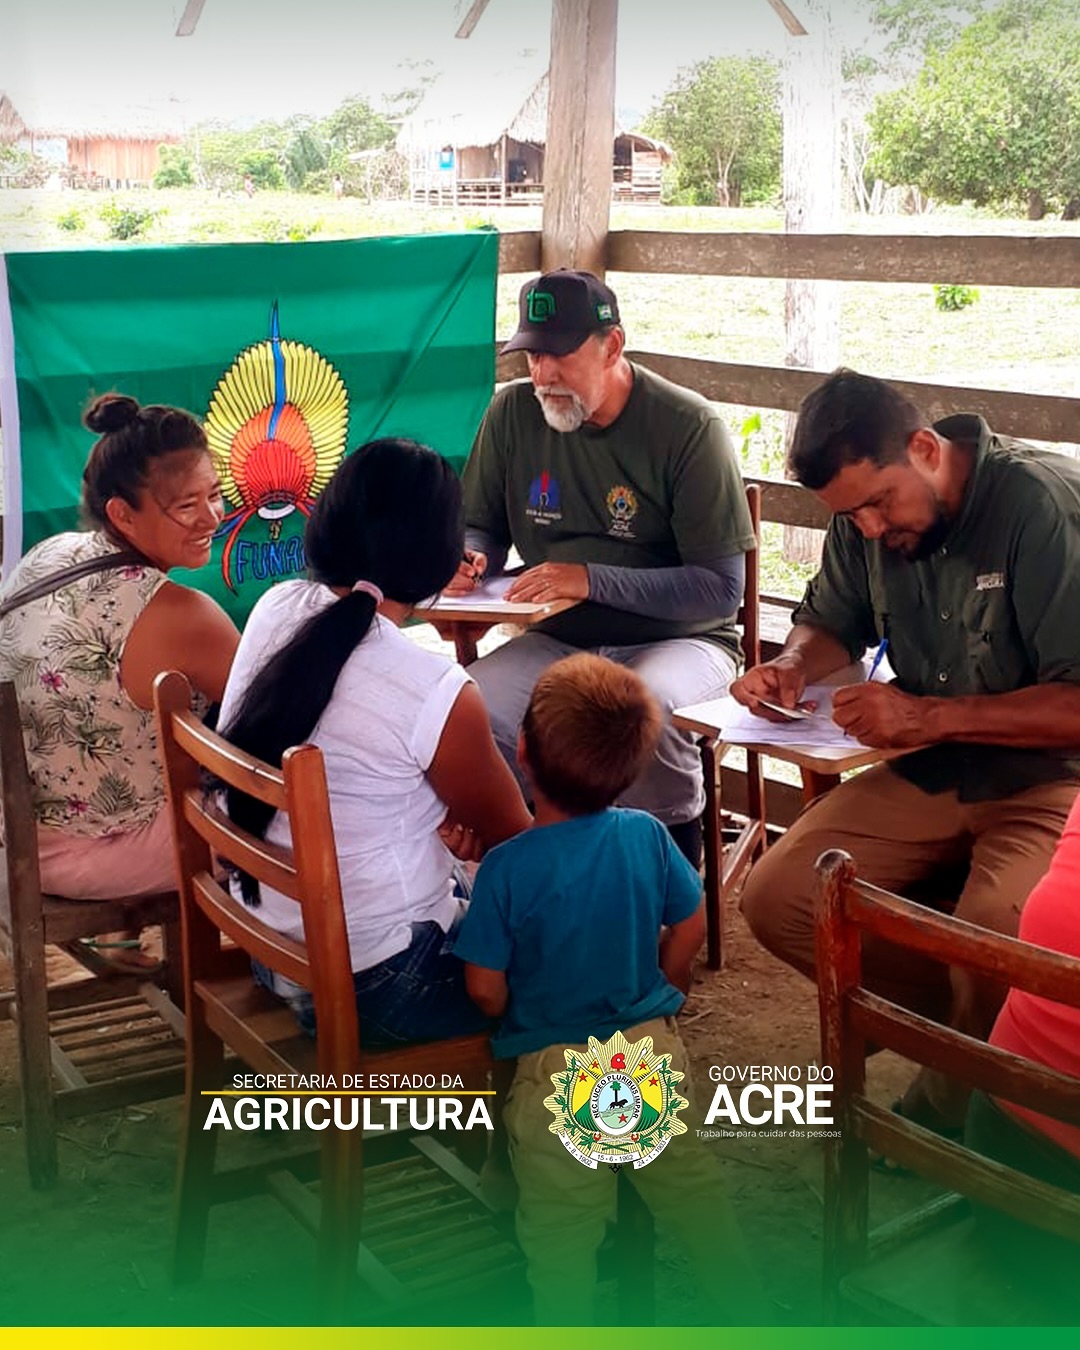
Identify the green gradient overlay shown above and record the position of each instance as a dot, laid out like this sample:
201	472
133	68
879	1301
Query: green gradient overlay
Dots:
96	1252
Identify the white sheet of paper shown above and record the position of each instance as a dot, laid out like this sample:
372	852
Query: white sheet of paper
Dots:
490	594
741	727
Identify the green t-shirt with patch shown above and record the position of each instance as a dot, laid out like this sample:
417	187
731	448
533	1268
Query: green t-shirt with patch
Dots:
995	609
659	487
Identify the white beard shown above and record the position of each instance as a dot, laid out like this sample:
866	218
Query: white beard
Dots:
563	413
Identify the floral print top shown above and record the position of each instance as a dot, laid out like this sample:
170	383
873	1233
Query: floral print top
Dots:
92	753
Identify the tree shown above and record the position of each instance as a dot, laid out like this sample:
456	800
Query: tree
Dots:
994	118
355	126
420	76
722	119
263	168
223	156
307	150
918	27
302	151
175	168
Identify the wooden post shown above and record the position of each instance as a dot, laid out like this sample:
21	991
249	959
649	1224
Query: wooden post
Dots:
811	203
580	134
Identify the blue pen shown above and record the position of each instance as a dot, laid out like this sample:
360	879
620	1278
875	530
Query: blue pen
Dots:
883	647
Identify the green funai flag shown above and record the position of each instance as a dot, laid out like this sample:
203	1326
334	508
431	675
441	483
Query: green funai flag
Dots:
292	354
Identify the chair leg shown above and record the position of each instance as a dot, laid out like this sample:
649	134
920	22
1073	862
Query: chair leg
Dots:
755	799
341	1194
35	1060
714	912
815	784
172	951
195	1177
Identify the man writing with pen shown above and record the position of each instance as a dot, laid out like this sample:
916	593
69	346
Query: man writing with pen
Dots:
960	550
620	491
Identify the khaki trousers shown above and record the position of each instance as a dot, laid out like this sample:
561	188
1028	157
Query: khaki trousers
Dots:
563	1207
977	860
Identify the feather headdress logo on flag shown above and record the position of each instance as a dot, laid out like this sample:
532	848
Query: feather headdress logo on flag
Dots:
277	426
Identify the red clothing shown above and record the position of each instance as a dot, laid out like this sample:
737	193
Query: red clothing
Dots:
1036	1027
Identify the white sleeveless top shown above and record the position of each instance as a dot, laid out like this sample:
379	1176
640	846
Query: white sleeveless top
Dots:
92	753
378	734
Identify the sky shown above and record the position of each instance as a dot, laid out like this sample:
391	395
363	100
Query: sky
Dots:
250	59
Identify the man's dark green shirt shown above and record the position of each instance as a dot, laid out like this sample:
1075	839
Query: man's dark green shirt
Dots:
659	487
995	609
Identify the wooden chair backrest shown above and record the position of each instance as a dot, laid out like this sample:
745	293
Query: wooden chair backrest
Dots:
307	871
750	614
852	1017
19	825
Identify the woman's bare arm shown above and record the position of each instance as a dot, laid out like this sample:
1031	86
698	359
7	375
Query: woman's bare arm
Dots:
471	776
180	629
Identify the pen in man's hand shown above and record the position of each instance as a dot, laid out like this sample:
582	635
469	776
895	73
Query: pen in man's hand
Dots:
883	647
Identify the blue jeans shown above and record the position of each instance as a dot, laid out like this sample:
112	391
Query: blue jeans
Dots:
416	995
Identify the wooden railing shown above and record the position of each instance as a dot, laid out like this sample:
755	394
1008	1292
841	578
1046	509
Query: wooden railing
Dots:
988	260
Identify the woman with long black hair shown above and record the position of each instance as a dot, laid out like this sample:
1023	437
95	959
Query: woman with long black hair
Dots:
403	731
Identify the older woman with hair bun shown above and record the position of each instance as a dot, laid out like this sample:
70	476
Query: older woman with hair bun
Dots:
411	765
91	618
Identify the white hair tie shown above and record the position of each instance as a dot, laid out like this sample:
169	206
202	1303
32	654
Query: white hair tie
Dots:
369	588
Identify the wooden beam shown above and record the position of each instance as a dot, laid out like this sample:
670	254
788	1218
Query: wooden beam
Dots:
788	19
987	260
469	22
1044	417
580	134
190	18
790	504
519	251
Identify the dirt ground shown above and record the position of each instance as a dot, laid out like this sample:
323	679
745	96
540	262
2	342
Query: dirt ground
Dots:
107	1224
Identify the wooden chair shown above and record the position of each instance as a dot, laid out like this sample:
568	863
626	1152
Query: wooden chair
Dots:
96	1044
928	1266
725	867
401	1258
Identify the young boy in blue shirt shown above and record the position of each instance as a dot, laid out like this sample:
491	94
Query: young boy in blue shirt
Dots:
588	924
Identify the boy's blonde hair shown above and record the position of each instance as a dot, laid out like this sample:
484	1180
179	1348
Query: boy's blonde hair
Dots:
589	730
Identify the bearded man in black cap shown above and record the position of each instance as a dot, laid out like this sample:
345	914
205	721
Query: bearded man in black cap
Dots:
620	490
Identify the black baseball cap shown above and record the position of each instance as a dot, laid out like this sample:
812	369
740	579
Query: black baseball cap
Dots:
559	310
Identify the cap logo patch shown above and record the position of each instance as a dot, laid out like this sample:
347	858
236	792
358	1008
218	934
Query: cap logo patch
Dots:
541	306
603	313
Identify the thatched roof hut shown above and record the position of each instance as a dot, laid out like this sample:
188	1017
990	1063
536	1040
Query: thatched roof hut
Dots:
95	141
12	127
479	136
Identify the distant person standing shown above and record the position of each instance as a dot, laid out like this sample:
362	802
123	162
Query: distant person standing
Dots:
339	186
249	185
